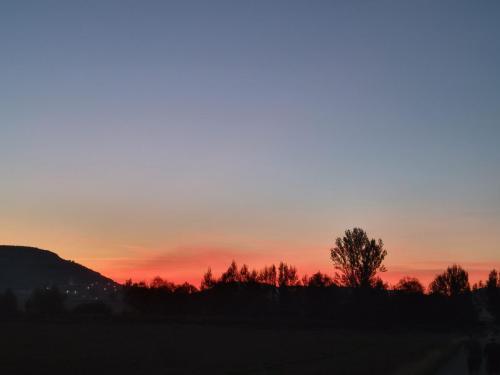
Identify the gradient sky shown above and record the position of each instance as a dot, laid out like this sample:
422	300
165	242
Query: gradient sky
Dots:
147	138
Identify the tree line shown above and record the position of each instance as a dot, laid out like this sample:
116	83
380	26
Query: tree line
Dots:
355	293
357	261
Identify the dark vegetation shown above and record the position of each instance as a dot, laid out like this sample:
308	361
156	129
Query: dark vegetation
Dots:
493	293
235	316
316	298
355	296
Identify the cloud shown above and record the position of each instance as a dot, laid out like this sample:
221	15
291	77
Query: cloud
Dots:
180	264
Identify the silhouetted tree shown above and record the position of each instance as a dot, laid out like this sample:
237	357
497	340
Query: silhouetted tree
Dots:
410	285
268	275
253	277
185	288
493	293
287	275
358	259
231	275
453	282
243	273
318	280
159	297
380	284
208	280
247	276
159	283
493	281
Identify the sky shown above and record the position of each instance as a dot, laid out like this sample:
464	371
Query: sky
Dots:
145	138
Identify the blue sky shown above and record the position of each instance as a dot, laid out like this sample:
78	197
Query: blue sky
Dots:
261	128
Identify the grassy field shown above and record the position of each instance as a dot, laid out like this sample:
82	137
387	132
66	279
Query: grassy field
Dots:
174	348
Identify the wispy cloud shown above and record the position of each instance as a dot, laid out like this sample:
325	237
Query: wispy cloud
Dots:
188	263
180	264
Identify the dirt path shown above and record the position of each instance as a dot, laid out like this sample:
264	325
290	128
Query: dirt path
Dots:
457	365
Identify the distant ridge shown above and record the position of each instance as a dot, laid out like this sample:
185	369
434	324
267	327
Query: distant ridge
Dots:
26	268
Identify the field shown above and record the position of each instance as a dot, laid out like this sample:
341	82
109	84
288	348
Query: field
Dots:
180	348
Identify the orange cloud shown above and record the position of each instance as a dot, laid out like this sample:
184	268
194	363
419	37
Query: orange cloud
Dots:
179	265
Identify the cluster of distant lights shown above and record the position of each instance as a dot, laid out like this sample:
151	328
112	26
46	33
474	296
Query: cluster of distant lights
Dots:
93	287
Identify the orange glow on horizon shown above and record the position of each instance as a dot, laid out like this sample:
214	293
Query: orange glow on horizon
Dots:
191	268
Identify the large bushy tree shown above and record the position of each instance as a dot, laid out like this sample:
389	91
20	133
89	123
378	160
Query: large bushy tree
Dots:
452	282
358	259
409	285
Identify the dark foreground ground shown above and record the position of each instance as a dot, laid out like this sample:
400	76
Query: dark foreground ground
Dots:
180	348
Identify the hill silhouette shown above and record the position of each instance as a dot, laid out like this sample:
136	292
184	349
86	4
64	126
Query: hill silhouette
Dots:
26	268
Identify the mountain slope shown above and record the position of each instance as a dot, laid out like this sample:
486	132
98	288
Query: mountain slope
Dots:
24	268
